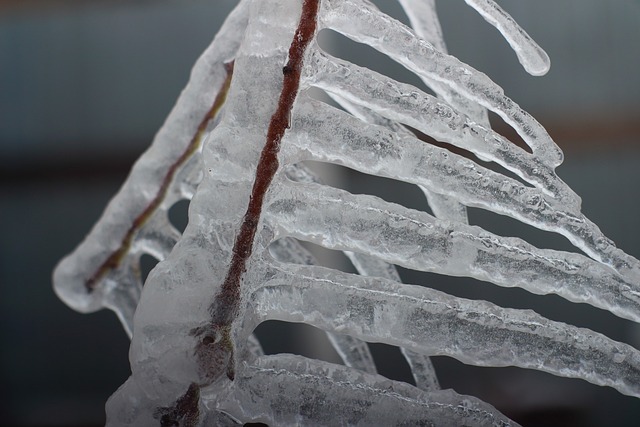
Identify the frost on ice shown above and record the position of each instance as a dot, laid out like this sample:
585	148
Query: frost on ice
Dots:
239	262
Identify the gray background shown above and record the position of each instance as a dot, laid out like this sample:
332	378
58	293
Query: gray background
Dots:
84	86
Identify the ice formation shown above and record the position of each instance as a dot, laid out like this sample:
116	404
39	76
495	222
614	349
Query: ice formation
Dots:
239	262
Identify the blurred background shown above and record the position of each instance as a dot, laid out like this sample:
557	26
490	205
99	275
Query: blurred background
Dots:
84	85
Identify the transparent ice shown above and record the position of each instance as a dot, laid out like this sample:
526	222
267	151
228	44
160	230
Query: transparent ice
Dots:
183	376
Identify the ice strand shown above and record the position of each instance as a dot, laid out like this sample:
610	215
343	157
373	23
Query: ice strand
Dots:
118	225
424	21
532	57
441	205
357	20
433	323
353	351
424	374
412	239
323	393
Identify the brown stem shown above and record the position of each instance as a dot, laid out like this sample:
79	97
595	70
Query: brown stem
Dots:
185	412
227	300
268	163
215	350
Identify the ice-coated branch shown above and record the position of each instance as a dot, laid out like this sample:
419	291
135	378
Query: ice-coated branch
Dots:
236	144
96	274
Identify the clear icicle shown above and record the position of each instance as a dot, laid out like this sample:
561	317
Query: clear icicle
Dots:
360	223
422	369
323	393
433	323
353	352
532	57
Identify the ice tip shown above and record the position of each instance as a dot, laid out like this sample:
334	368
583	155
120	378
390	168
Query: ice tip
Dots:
536	61
69	286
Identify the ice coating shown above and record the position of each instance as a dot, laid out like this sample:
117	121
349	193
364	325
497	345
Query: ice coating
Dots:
193	356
